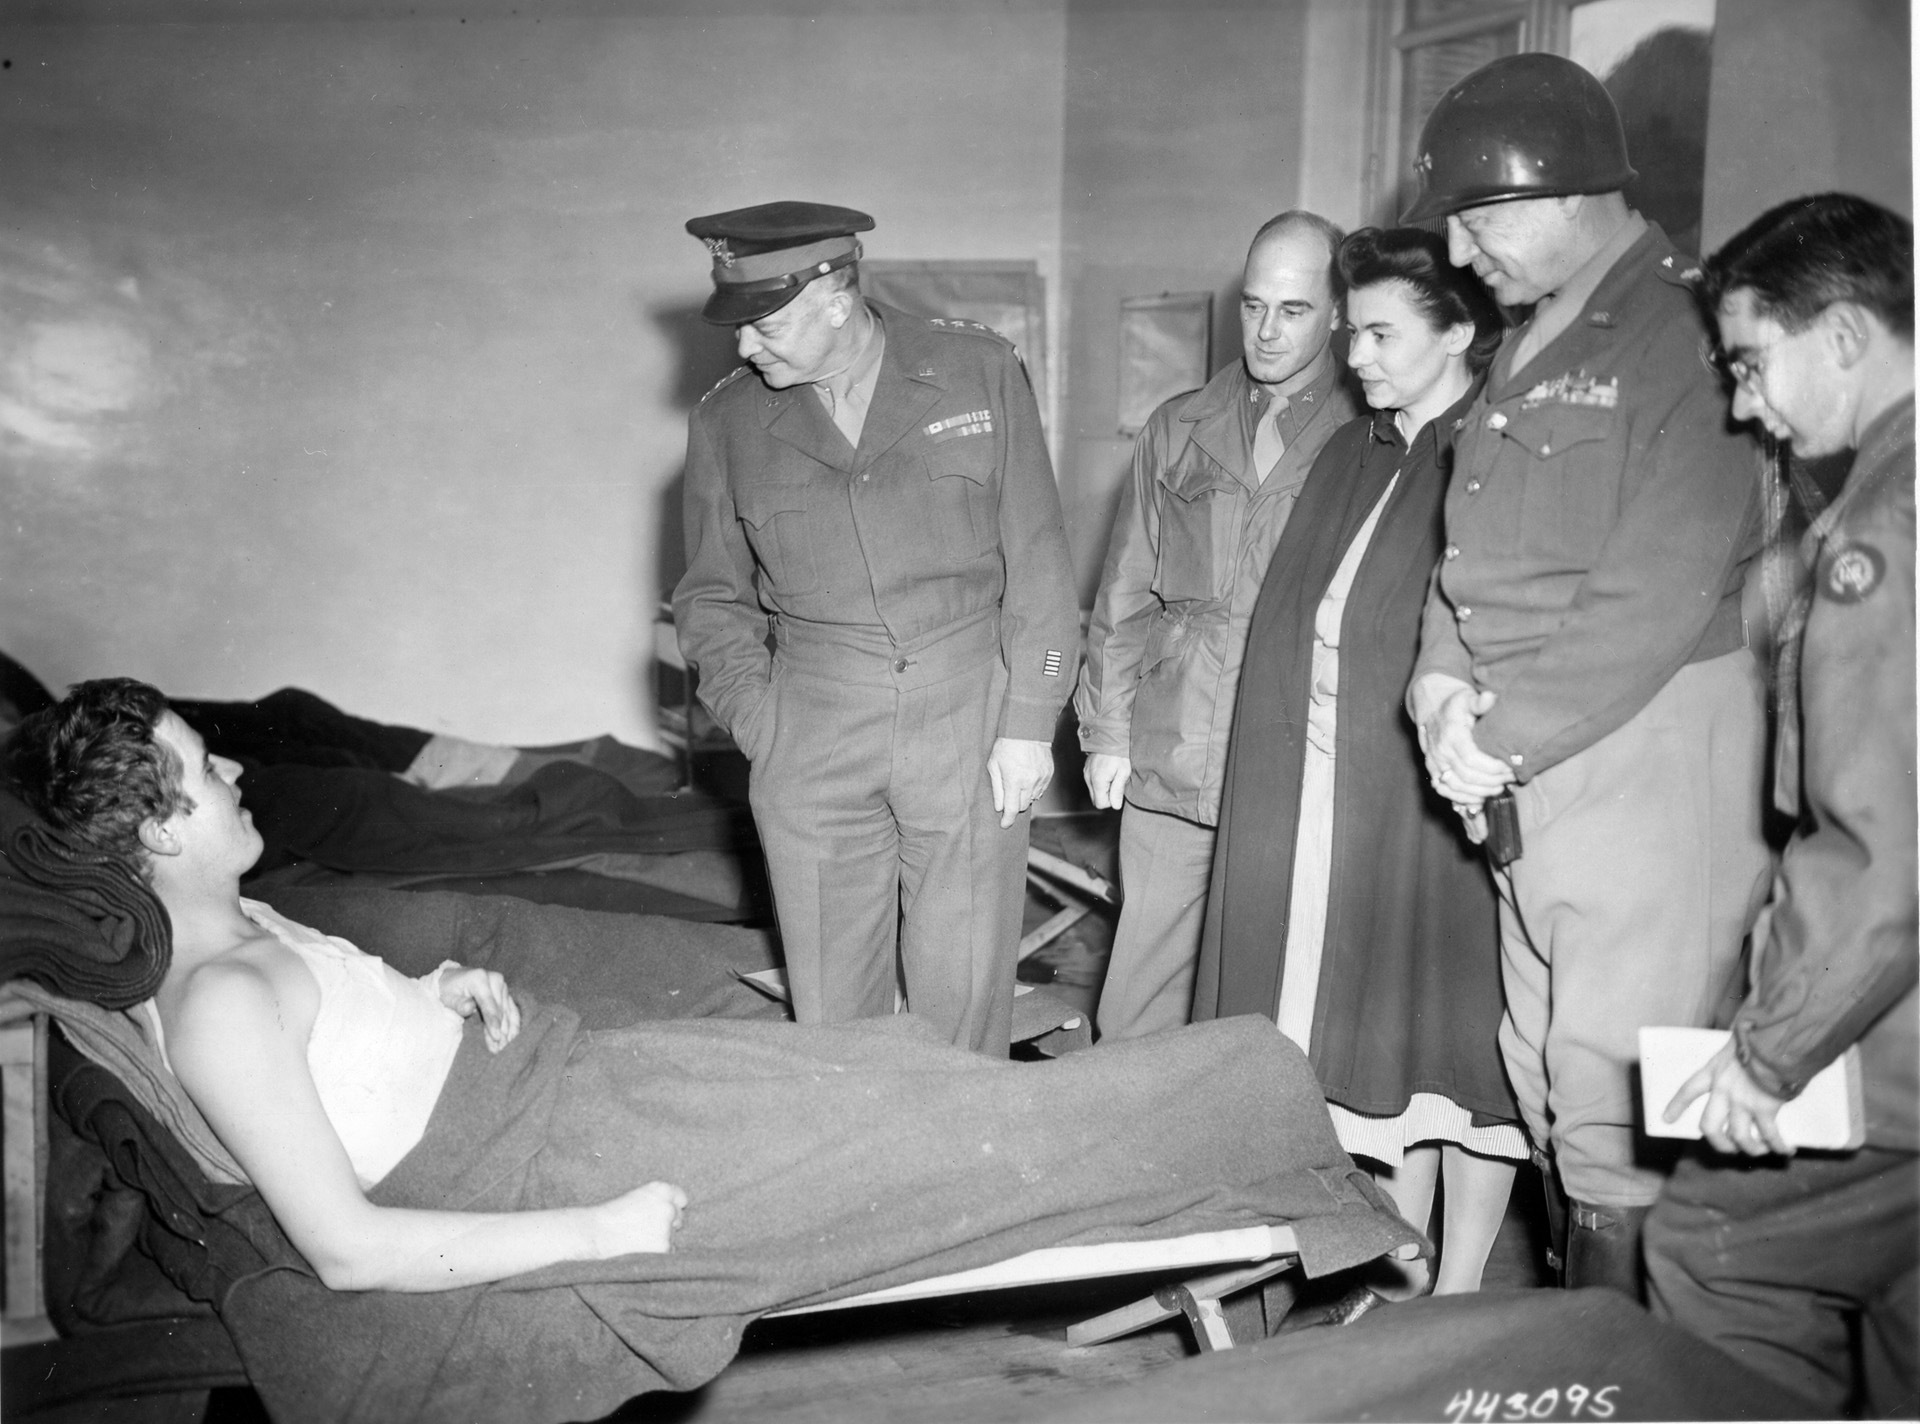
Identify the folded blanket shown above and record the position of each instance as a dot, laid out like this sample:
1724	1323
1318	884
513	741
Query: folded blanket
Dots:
820	1162
73	919
122	1042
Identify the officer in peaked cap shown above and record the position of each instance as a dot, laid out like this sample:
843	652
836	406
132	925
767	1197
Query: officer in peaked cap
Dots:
879	605
1583	648
763	256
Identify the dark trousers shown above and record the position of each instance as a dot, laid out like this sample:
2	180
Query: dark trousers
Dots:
888	861
1772	1260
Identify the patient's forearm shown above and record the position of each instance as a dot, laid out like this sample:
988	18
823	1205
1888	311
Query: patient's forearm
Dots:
407	1250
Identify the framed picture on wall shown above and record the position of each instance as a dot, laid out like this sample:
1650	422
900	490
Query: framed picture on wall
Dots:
1164	342
1010	297
1654	56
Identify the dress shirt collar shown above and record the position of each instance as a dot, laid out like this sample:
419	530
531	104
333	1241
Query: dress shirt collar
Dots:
1297	408
862	373
1558	310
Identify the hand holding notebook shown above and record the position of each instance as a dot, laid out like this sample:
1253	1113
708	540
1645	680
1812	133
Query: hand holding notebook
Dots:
1827	1114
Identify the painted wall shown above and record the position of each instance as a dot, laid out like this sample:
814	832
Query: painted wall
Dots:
1182	137
1808	96
354	352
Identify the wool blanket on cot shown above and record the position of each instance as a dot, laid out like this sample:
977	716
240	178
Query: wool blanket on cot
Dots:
819	1162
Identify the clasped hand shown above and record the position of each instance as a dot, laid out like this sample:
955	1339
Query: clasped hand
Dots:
1447	710
481	991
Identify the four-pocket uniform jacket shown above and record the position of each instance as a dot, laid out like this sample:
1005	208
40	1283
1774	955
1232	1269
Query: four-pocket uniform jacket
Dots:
1190	547
946	511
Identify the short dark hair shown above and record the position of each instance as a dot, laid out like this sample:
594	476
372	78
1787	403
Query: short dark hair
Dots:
1801	257
1443	293
1329	232
94	770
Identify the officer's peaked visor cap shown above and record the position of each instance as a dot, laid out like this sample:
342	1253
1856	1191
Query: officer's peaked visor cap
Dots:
764	255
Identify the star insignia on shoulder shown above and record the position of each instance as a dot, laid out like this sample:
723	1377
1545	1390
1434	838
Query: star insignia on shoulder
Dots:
720	385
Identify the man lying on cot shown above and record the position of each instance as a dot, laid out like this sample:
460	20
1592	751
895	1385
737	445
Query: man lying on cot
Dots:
286	1042
808	1160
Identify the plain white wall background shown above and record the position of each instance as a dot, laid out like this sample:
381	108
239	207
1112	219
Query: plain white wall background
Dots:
355	353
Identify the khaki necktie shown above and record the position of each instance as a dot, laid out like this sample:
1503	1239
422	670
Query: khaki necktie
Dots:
1268	443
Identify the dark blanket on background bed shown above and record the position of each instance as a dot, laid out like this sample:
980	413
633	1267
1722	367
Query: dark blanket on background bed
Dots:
354	819
294	725
820	1162
609	968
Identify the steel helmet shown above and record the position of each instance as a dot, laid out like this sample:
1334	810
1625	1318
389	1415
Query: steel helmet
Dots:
1524	126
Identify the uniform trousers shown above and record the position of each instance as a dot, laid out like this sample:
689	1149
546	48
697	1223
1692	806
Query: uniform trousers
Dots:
1773	1259
1642	867
888	862
1166	862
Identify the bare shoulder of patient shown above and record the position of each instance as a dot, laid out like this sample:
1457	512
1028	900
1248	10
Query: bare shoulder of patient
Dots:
258	984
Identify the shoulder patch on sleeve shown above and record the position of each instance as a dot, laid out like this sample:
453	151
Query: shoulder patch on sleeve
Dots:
1851	572
720	385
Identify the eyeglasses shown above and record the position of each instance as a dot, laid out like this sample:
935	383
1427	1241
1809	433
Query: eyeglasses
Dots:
1740	370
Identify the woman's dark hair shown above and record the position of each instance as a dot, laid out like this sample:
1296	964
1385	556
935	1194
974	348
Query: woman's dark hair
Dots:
92	767
1444	294
1803	256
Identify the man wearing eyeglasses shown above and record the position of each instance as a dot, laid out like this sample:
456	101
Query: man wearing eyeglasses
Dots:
1583	648
1788	1263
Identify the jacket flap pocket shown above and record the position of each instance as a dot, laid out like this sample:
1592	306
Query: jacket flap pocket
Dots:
1191	485
1555	427
759	503
971	457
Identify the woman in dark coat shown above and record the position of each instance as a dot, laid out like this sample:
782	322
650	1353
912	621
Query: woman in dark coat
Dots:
1347	903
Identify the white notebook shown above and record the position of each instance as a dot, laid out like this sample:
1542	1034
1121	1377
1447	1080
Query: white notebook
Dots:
1829	1113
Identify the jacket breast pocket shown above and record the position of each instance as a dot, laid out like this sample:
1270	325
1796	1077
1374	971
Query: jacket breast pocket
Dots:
1570	500
1197	536
963	503
775	518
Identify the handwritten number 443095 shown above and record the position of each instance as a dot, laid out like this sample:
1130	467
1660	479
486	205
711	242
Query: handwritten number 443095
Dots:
1488	1406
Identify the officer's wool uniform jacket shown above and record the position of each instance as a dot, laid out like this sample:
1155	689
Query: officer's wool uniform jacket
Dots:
1190	545
947	511
1599	522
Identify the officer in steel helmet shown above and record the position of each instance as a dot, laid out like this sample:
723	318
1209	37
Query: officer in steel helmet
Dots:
879	603
1583	649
